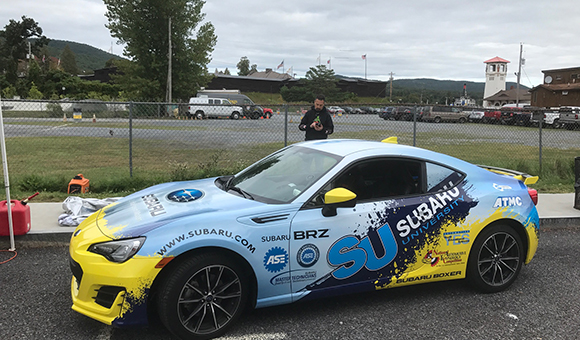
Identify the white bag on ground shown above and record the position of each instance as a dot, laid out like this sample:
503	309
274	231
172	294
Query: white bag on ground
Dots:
78	209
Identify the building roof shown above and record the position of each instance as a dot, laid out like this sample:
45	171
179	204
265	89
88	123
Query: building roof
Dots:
269	74
510	94
496	60
562	69
558	87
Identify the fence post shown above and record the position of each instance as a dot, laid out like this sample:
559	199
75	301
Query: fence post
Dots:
131	139
285	125
414	125
540	121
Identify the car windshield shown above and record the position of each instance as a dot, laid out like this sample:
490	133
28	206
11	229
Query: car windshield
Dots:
282	176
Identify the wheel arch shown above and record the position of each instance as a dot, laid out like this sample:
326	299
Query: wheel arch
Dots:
193	252
518	228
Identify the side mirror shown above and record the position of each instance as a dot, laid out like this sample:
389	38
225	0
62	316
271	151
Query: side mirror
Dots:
337	198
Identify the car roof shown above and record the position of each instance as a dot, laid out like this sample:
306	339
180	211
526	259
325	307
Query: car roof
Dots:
344	147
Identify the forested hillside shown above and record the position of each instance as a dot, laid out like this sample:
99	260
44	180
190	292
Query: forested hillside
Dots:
88	58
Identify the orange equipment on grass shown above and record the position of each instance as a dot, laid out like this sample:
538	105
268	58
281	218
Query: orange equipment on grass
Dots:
78	185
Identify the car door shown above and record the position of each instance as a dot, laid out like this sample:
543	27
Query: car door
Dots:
348	249
373	244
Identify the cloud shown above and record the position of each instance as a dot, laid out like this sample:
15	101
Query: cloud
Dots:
412	39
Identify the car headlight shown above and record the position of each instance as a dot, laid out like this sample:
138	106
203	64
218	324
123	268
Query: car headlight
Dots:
118	250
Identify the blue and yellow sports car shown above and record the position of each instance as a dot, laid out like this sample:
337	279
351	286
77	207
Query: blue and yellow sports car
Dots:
314	219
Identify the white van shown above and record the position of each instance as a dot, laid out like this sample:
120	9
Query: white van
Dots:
206	107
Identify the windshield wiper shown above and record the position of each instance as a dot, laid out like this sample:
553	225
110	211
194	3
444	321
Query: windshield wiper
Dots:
239	190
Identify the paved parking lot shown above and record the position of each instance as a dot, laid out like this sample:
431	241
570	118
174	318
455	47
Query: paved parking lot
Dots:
542	304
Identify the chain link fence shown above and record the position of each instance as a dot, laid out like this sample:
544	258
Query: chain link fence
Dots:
155	139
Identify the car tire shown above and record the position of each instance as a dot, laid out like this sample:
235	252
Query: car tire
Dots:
235	115
495	259
462	120
437	120
199	115
216	289
556	124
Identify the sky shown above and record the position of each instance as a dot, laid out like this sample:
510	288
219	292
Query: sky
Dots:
445	40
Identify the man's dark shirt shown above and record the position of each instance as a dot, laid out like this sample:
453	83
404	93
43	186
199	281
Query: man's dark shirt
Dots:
324	118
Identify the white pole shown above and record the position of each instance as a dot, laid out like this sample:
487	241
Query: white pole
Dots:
6	180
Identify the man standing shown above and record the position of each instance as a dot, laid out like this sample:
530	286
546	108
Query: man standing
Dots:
317	121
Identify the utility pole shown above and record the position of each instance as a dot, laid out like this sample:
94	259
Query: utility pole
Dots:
168	93
519	74
391	85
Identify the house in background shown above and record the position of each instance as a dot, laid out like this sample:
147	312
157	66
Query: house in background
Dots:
561	87
510	96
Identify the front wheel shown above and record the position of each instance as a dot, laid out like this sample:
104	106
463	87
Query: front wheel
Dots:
203	296
235	115
495	259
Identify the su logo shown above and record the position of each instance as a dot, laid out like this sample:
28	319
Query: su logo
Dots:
350	254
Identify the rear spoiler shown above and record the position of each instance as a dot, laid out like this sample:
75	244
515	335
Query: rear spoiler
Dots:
522	176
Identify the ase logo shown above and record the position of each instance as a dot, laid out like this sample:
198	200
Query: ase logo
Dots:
276	259
307	255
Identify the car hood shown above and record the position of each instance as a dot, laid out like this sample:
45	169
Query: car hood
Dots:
154	207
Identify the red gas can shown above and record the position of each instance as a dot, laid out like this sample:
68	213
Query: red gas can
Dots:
20	218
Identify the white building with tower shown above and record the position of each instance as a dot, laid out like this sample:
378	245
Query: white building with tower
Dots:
495	78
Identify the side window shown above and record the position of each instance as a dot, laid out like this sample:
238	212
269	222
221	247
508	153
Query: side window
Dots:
382	178
210	101
440	178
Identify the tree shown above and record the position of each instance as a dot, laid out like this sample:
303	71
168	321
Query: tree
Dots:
14	45
227	72
34	93
243	66
68	61
319	80
143	26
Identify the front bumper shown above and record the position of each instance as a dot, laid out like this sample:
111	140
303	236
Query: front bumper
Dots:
112	293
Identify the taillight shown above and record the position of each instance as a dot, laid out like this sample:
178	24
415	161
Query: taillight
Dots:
533	195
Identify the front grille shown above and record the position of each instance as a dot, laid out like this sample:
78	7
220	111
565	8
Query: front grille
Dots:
106	295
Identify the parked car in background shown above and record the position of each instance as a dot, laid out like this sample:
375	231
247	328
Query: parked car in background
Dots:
249	108
335	110
402	113
552	119
205	107
491	116
386	112
439	114
514	115
348	109
267	113
367	110
570	117
475	115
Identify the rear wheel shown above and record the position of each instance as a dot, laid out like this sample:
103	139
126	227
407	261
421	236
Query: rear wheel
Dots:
437	120
199	115
495	259
462	120
203	296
